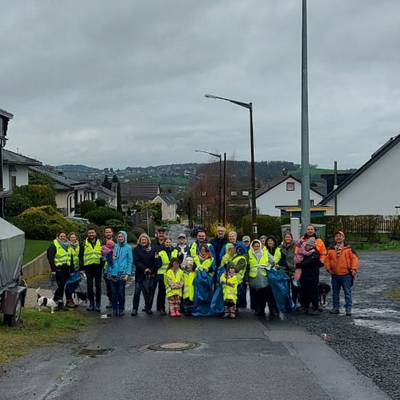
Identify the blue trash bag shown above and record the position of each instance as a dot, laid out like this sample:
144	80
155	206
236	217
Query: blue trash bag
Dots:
278	280
203	293
75	277
217	302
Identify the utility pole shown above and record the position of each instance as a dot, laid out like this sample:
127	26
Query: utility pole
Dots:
335	184
224	194
305	147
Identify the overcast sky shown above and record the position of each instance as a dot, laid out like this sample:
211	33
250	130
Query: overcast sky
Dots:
122	83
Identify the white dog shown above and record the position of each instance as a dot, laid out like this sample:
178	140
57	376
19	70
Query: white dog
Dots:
43	301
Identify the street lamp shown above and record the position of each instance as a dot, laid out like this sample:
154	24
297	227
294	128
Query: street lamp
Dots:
305	147
4	118
249	106
219	156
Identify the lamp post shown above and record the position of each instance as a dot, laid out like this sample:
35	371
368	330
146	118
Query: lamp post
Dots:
305	147
4	118
249	106
219	156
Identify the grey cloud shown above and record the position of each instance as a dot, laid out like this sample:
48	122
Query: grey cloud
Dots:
123	84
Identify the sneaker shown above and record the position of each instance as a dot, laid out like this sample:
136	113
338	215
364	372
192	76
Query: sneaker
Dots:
172	314
149	312
348	313
282	316
71	304
90	308
163	313
314	312
133	313
334	311
178	313
97	309
232	315
226	315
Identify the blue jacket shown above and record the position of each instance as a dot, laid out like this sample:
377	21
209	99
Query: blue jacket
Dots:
123	261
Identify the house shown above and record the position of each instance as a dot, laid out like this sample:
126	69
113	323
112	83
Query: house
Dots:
282	197
16	169
70	192
374	188
168	206
133	193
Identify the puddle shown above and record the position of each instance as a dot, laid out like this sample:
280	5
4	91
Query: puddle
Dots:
93	353
384	327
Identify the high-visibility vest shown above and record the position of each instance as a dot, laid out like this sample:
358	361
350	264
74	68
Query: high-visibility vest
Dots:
188	288
206	265
165	259
74	251
226	258
194	249
243	260
255	265
173	277
92	255
62	257
230	287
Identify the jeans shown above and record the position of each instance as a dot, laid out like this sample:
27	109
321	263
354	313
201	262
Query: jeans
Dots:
93	276
61	278
345	282
118	296
147	298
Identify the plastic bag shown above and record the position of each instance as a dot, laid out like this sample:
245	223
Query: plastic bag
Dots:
278	280
260	281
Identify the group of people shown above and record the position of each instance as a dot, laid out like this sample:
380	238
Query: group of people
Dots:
207	277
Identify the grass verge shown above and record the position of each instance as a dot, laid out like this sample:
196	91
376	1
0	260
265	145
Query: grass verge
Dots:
39	329
34	248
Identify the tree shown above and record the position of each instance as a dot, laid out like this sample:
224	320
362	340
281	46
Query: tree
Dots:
39	195
106	183
16	204
86	206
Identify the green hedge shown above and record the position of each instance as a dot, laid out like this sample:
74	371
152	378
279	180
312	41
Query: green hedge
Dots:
267	225
44	223
101	215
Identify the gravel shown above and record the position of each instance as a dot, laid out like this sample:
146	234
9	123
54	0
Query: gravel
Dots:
370	339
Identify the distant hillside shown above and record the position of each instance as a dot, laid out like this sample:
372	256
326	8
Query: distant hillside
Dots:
76	168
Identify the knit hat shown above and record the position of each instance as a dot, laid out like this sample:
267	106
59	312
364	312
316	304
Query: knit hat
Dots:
182	235
246	239
311	242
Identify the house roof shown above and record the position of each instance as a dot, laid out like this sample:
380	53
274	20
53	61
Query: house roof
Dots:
392	142
10	157
103	191
135	191
4	113
61	182
277	181
168	198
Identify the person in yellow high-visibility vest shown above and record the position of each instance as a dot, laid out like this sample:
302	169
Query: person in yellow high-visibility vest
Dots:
59	259
92	262
188	287
164	257
230	282
174	281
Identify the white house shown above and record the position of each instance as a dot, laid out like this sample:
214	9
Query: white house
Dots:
16	169
374	189
70	192
283	197
168	206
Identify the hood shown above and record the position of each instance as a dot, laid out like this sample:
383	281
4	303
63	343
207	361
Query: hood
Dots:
125	236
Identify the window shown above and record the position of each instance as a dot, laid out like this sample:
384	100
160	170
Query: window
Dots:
233	194
245	193
13	182
290	186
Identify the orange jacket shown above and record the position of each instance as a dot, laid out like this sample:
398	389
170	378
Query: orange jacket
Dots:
319	245
344	264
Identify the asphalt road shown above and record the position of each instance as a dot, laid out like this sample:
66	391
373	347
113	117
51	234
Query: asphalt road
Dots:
244	358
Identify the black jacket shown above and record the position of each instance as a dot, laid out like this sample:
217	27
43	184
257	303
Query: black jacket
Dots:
218	244
310	266
143	258
51	255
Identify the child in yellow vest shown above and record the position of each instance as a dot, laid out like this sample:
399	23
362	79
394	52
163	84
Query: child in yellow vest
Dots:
174	280
188	287
230	281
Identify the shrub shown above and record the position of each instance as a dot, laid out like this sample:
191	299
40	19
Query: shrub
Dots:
213	228
86	206
101	215
39	195
44	223
267	225
16	204
100	203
